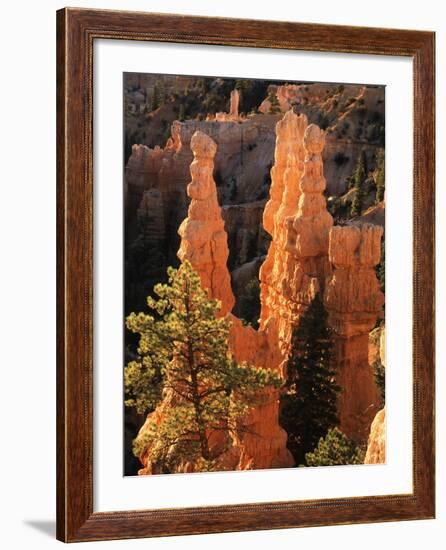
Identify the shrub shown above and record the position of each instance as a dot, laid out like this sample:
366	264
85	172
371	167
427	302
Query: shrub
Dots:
335	449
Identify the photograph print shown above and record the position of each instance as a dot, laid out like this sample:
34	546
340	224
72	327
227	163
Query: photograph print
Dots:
254	274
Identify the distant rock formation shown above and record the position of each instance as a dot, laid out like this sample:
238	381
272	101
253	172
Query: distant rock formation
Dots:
234	101
150	216
246	237
354	301
242	163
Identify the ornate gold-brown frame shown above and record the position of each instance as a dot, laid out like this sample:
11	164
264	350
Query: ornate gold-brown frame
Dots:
76	31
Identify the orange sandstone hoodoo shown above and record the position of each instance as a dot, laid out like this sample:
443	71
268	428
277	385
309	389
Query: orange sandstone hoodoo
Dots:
354	301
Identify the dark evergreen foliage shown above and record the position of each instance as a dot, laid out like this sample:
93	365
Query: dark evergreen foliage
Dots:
359	184
308	405
250	303
380	176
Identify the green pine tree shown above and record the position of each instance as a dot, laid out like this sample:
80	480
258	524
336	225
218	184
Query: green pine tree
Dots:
274	107
380	269
308	405
358	185
159	95
182	113
335	449
379	372
380	176
184	358
250	303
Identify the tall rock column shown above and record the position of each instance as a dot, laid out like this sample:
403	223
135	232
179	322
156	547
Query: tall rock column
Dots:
203	236
354	301
234	101
286	173
296	217
307	231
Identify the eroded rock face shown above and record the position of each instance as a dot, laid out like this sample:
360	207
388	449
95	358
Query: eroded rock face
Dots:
298	221
353	297
376	448
150	216
354	301
246	236
262	443
203	236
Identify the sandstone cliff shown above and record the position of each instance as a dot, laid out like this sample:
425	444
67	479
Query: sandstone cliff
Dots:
262	443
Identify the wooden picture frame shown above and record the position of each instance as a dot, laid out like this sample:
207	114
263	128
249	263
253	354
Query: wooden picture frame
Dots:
76	31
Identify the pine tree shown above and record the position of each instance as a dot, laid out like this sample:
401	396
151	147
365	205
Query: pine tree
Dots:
158	97
184	358
380	269
379	372
274	103
335	449
250	303
182	113
155	98
358	185
308	405
380	176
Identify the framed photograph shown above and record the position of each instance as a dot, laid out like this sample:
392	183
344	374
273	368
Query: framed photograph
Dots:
245	275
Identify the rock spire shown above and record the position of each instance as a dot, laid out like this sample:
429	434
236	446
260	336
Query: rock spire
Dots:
354	302
203	236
